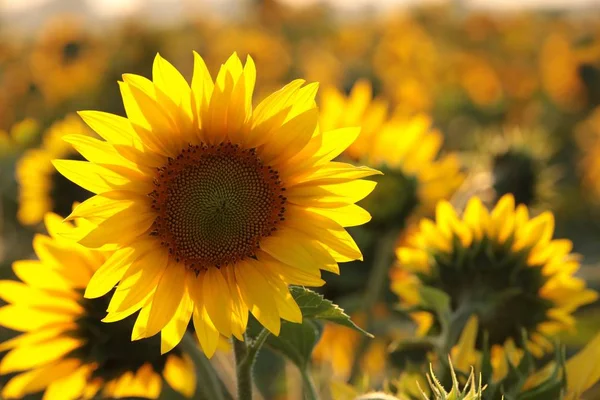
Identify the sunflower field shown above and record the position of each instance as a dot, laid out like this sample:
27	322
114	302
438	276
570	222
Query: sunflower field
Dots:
268	200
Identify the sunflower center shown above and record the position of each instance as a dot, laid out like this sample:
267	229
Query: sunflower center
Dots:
515	173
215	203
71	51
109	346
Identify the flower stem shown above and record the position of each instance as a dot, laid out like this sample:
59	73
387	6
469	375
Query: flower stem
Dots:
243	369
310	391
375	286
207	378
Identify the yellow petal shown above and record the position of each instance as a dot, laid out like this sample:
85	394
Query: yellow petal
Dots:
217	300
583	369
169	291
180	374
38	379
175	329
258	295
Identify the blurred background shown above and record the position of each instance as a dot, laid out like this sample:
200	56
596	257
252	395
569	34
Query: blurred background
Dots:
513	87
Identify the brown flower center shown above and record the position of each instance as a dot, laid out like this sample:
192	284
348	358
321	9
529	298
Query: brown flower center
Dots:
215	203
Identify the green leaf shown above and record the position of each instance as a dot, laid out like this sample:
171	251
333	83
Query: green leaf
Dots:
296	341
315	306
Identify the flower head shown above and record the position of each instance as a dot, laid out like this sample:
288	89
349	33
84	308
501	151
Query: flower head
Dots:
65	349
357	109
66	59
214	206
502	266
416	176
516	161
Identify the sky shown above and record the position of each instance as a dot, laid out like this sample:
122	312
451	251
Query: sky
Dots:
110	8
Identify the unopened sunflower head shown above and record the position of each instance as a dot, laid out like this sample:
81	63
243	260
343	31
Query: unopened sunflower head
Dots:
512	160
214	206
41	188
501	266
65	349
472	390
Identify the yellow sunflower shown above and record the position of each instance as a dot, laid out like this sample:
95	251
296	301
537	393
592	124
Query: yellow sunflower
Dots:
587	133
19	136
67	59
358	109
65	349
214	206
415	176
41	187
502	267
336	351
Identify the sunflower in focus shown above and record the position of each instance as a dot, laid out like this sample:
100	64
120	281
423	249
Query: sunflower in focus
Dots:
357	109
66	60
65	349
214	207
502	267
516	161
41	187
415	176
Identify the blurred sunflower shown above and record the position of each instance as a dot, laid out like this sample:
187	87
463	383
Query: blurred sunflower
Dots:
415	175
500	266
336	351
357	109
67	59
587	134
479	79
406	59
559	71
65	349
41	187
214	207
20	136
512	160
268	48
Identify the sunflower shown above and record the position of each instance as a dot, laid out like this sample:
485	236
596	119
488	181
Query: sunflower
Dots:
336	350
41	188
559	71
357	109
587	133
513	160
415	176
500	266
65	349
19	136
214	207
67	59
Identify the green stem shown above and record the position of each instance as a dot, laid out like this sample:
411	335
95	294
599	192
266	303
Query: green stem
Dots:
375	287
207	379
310	391
243	369
245	356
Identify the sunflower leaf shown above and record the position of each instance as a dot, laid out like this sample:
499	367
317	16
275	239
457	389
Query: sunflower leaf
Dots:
315	306
296	341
